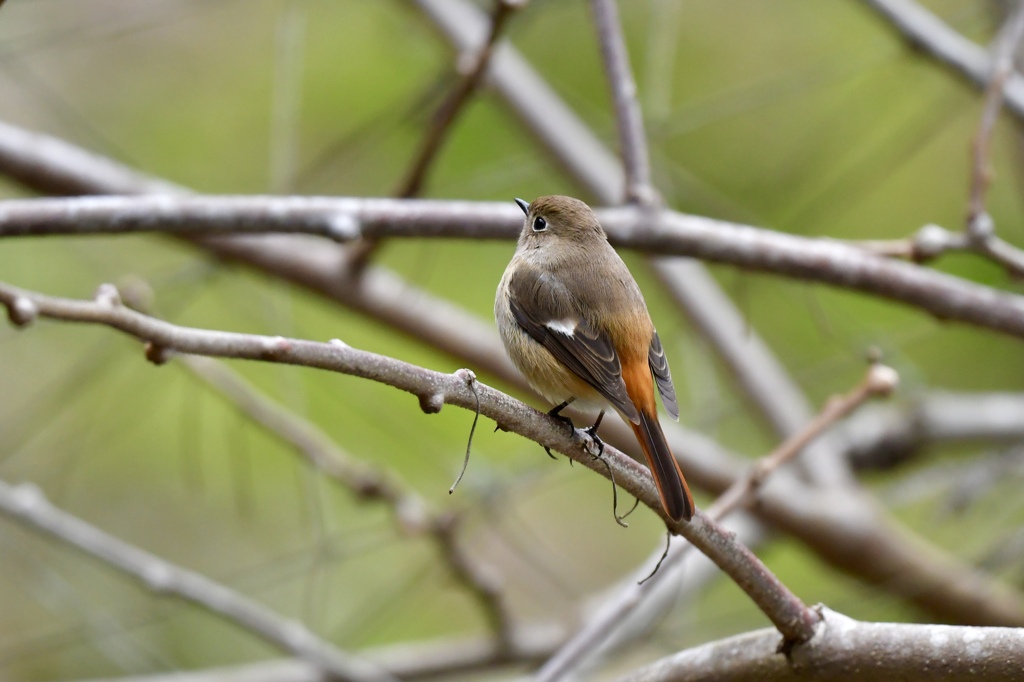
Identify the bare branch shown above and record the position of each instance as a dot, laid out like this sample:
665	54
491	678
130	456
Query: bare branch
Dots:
434	390
410	510
666	232
879	381
850	650
932	36
453	105
419	660
444	118
572	144
981	149
28	504
631	595
887	437
628	117
51	165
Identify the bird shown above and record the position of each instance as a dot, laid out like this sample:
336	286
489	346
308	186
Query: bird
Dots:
575	324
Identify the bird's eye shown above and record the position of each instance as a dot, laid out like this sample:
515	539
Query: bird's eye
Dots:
539	224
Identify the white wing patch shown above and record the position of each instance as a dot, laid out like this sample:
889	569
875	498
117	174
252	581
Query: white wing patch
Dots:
566	327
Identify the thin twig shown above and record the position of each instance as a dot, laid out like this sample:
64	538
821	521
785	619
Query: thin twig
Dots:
543	112
932	241
446	115
443	120
880	380
28	504
981	149
470	379
794	620
980	226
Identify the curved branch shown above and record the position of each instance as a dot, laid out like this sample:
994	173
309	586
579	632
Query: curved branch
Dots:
865	544
434	389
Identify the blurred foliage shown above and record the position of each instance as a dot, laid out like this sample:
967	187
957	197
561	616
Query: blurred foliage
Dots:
807	117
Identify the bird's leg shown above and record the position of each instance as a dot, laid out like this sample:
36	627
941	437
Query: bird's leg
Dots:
592	432
556	413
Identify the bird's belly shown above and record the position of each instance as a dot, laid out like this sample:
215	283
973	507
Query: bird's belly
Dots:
544	373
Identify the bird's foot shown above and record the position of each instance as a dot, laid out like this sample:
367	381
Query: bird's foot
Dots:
556	413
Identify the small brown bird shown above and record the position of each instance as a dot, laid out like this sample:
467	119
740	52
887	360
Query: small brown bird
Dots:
574	322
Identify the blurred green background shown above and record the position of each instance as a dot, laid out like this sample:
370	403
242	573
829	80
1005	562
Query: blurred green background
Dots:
808	117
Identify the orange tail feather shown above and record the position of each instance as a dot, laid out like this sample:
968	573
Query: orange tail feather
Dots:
675	494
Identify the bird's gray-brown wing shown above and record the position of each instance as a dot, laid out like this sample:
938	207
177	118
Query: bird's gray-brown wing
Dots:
659	367
545	309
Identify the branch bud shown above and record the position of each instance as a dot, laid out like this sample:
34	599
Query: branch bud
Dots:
22	311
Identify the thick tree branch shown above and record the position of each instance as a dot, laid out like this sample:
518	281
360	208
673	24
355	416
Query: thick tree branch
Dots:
665	232
846	649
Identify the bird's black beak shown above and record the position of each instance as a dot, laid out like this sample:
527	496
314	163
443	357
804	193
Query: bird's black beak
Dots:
523	205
